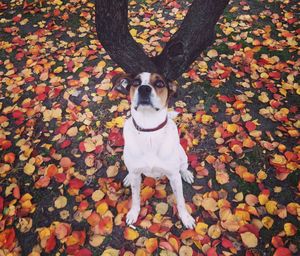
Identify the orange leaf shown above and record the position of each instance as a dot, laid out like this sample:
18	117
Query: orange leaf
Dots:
130	234
42	182
147	192
175	242
62	230
93	219
151	245
9	158
66	162
51	170
187	234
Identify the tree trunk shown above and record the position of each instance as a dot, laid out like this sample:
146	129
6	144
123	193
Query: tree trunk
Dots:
195	34
113	33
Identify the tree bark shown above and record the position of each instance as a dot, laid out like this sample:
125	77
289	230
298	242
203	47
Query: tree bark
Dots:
195	34
113	33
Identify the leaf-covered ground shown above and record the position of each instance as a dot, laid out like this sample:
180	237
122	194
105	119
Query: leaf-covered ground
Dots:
61	169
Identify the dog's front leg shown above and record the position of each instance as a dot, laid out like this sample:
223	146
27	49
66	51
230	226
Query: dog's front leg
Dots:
176	184
135	183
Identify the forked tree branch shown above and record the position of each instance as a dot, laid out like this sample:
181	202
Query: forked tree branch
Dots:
195	34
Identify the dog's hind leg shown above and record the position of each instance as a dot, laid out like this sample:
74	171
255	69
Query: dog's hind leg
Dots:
186	175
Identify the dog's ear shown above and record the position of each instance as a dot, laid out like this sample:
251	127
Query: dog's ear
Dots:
172	86
121	83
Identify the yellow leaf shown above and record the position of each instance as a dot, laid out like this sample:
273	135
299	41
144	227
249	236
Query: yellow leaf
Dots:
201	228
102	208
97	195
60	202
214	231
133	32
249	239
263	199
89	145
290	229
101	64
185	251
112	171
207	119
162	208
44	233
239	196
263	97
271	207
110	252
58	69
209	204
29	169
212	53
96	240
267	222
232	128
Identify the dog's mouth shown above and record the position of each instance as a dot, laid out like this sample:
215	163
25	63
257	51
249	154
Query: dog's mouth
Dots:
145	103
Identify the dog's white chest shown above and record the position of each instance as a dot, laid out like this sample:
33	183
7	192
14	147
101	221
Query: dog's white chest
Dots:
152	153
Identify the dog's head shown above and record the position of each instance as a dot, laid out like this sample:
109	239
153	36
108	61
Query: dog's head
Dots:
146	90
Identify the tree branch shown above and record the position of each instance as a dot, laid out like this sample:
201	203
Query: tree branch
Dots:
195	34
112	29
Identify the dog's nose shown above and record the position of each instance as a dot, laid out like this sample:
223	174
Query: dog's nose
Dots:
144	90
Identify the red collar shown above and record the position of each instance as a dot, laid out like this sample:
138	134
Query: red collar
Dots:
140	129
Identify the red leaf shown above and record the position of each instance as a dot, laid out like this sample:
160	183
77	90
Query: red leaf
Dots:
250	126
76	183
227	243
211	252
50	244
60	177
116	138
277	241
282	251
65	144
1	204
83	252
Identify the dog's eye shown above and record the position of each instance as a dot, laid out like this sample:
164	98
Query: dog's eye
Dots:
159	84
136	82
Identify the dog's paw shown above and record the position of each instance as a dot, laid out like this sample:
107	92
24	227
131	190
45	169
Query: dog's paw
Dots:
132	216
187	220
126	181
187	176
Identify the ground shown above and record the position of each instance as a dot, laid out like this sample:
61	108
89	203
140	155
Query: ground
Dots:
61	167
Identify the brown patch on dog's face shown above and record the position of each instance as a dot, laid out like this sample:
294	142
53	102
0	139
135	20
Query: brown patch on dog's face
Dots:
136	82
161	88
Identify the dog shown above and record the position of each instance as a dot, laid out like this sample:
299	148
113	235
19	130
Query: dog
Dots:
152	146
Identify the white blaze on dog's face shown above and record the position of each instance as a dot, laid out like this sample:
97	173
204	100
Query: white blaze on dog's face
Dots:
149	91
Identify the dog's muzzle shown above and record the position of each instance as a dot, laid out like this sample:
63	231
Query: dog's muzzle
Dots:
144	92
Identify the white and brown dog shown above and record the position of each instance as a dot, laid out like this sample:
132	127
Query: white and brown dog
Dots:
152	144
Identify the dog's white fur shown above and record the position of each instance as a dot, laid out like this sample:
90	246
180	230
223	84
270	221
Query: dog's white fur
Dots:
154	154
